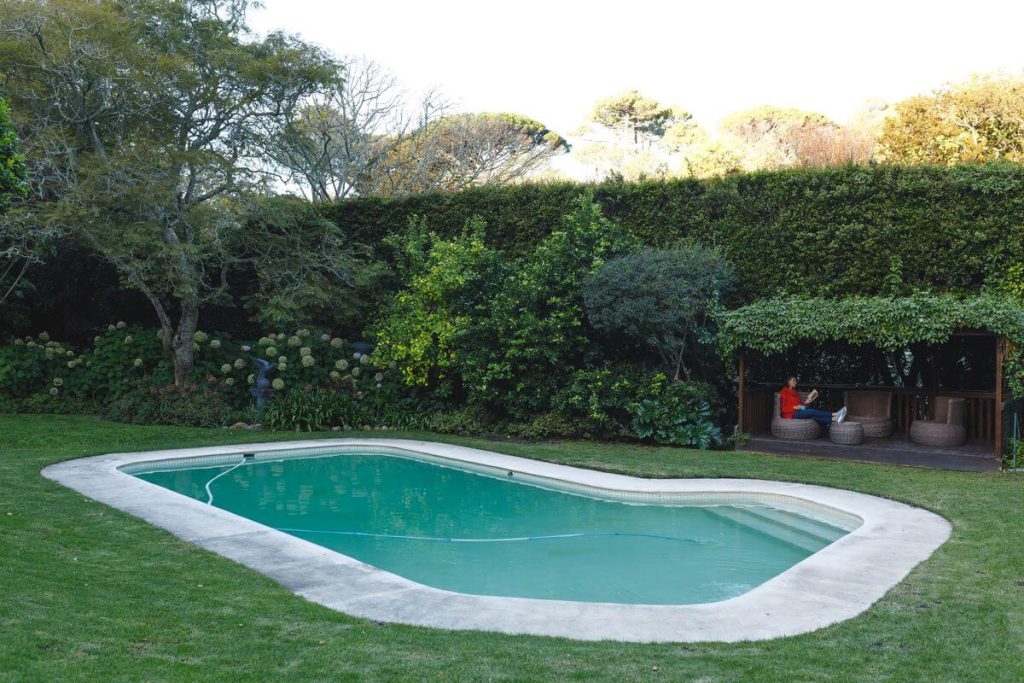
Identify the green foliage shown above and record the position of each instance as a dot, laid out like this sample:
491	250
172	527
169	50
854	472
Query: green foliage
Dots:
12	163
448	283
309	411
598	399
661	299
468	421
832	232
189	406
523	344
773	325
681	415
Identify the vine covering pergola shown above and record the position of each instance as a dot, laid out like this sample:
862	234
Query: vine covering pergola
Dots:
772	326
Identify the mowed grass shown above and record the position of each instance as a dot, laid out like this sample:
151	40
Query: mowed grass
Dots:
89	593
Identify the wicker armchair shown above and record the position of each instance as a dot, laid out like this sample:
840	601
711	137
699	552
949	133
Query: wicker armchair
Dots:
947	429
873	410
793	430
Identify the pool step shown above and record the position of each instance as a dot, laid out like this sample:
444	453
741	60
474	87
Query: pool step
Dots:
805	533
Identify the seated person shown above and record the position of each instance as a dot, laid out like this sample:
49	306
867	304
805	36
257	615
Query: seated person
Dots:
793	407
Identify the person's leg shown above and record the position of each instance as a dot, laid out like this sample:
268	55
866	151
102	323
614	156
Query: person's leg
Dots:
822	417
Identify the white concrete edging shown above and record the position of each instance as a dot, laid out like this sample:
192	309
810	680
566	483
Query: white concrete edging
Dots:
834	584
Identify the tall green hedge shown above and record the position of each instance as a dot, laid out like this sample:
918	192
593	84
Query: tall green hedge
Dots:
835	232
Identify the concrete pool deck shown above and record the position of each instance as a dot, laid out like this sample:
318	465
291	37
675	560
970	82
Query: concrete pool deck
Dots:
834	584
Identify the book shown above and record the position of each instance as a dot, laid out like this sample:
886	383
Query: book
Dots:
811	397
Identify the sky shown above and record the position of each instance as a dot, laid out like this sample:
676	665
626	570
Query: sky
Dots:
552	60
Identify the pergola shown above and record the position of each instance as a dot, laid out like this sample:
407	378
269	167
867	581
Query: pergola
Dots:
771	328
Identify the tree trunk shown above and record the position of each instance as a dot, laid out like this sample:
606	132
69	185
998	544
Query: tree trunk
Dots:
184	357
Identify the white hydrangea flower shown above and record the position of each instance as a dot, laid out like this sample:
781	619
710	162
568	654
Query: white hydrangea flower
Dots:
96	339
121	325
271	351
278	384
364	359
128	339
111	328
137	363
251	379
58	382
379	377
393	365
336	343
31	343
282	359
335	375
71	364
215	344
341	364
44	336
356	355
294	341
54	391
195	347
263	341
226	368
239	363
246	348
325	337
355	372
200	337
305	351
308	361
19	342
230	381
281	335
69	354
303	332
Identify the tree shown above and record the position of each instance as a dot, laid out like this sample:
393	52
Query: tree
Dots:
770	133
463	150
16	246
662	299
149	124
336	141
637	116
978	120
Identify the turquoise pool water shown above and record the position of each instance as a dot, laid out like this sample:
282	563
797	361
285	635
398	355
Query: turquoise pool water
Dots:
491	534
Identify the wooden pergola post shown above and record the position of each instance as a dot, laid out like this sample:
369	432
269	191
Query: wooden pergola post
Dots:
742	391
1000	345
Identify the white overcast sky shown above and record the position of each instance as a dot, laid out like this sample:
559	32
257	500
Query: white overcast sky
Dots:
551	60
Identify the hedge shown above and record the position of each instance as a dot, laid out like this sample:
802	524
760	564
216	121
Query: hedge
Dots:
835	232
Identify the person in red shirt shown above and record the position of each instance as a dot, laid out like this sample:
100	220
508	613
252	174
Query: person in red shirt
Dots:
793	407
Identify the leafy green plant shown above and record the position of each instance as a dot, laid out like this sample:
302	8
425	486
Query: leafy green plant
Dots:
680	416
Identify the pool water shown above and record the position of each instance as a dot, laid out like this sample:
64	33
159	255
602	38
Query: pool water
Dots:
491	534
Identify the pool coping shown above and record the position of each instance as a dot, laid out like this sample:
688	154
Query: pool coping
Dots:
836	583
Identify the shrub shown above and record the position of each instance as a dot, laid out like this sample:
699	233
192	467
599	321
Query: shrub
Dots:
681	415
309	411
553	424
663	300
469	421
189	407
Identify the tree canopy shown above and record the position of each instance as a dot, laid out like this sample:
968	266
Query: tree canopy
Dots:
978	120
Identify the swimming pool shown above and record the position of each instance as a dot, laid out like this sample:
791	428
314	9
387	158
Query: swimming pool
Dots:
494	533
494	542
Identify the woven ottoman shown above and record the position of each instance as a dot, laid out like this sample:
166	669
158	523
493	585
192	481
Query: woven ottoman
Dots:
935	433
847	433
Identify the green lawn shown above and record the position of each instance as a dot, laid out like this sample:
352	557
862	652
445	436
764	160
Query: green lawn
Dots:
89	593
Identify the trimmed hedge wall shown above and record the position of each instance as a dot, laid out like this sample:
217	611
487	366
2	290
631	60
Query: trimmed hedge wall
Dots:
835	232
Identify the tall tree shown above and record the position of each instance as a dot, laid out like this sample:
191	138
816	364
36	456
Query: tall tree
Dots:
463	150
16	247
637	116
770	134
978	120
152	120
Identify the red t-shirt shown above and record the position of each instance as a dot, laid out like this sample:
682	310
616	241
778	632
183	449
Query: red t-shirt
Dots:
789	400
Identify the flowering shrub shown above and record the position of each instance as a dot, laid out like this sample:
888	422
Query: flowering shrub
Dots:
126	368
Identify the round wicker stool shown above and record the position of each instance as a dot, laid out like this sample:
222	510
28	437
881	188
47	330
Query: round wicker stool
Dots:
936	433
848	433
